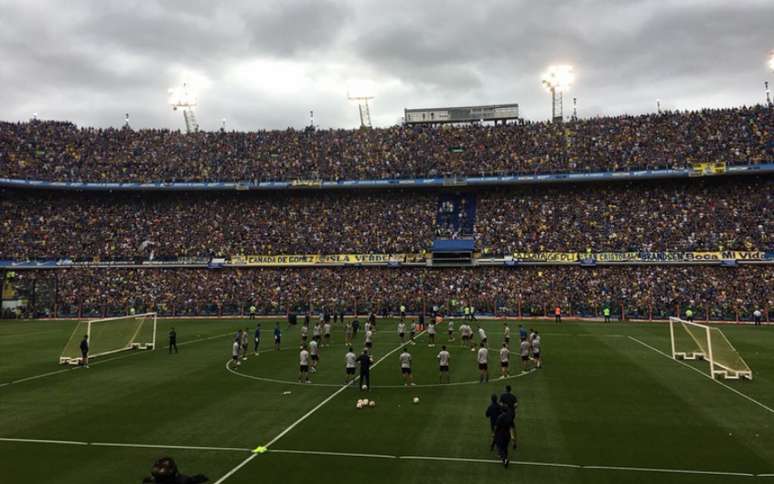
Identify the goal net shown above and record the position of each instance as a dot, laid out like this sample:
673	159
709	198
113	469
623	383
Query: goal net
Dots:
693	341
111	335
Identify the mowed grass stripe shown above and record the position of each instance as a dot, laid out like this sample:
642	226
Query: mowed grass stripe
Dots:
189	399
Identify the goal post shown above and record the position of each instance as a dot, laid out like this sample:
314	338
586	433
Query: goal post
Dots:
111	335
694	341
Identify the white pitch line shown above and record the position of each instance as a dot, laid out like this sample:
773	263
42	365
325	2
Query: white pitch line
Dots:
43	375
524	463
747	397
43	441
328	385
385	456
668	471
99	362
336	454
182	447
119	444
305	416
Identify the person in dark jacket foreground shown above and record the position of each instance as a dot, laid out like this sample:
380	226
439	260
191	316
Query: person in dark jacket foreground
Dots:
502	435
165	471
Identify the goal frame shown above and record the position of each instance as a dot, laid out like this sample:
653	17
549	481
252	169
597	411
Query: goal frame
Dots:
722	370
138	346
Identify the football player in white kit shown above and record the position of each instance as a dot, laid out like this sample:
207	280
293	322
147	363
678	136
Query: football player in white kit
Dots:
348	332
402	331
505	356
482	336
303	365
536	350
327	333
451	330
350	360
431	333
524	349
314	352
405	367
483	363
443	364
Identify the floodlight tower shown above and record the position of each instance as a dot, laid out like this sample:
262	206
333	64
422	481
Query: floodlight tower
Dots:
362	105
557	80
183	100
766	83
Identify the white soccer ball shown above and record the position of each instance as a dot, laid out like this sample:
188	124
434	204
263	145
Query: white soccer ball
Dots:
371	404
416	400
365	387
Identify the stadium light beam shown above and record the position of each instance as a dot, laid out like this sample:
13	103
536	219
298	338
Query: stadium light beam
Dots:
771	61
361	92
181	98
557	80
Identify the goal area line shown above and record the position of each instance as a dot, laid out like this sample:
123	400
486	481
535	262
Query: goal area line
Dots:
359	455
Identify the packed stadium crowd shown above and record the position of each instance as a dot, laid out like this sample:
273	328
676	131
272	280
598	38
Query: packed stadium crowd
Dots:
666	215
641	290
115	226
50	150
731	214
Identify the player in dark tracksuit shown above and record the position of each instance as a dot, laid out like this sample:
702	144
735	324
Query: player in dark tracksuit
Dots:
172	340
510	402
85	351
502	436
365	369
492	412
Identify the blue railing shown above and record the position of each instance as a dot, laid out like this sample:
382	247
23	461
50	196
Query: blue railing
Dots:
472	181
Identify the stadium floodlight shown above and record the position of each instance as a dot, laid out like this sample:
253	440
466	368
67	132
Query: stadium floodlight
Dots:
771	61
361	92
557	80
658	106
182	98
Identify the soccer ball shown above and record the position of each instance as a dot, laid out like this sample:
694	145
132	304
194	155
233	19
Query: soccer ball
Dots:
416	399
365	402
365	387
359	404
371	404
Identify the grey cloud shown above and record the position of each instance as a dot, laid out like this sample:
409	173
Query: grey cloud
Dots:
90	61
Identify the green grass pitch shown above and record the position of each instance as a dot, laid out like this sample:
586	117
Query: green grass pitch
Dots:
606	408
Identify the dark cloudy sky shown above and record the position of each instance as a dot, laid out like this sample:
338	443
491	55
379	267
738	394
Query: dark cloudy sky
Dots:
265	64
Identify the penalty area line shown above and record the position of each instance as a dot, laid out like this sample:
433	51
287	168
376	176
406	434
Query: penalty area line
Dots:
727	387
305	416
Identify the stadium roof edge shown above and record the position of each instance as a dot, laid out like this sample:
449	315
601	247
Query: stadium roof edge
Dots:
389	183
